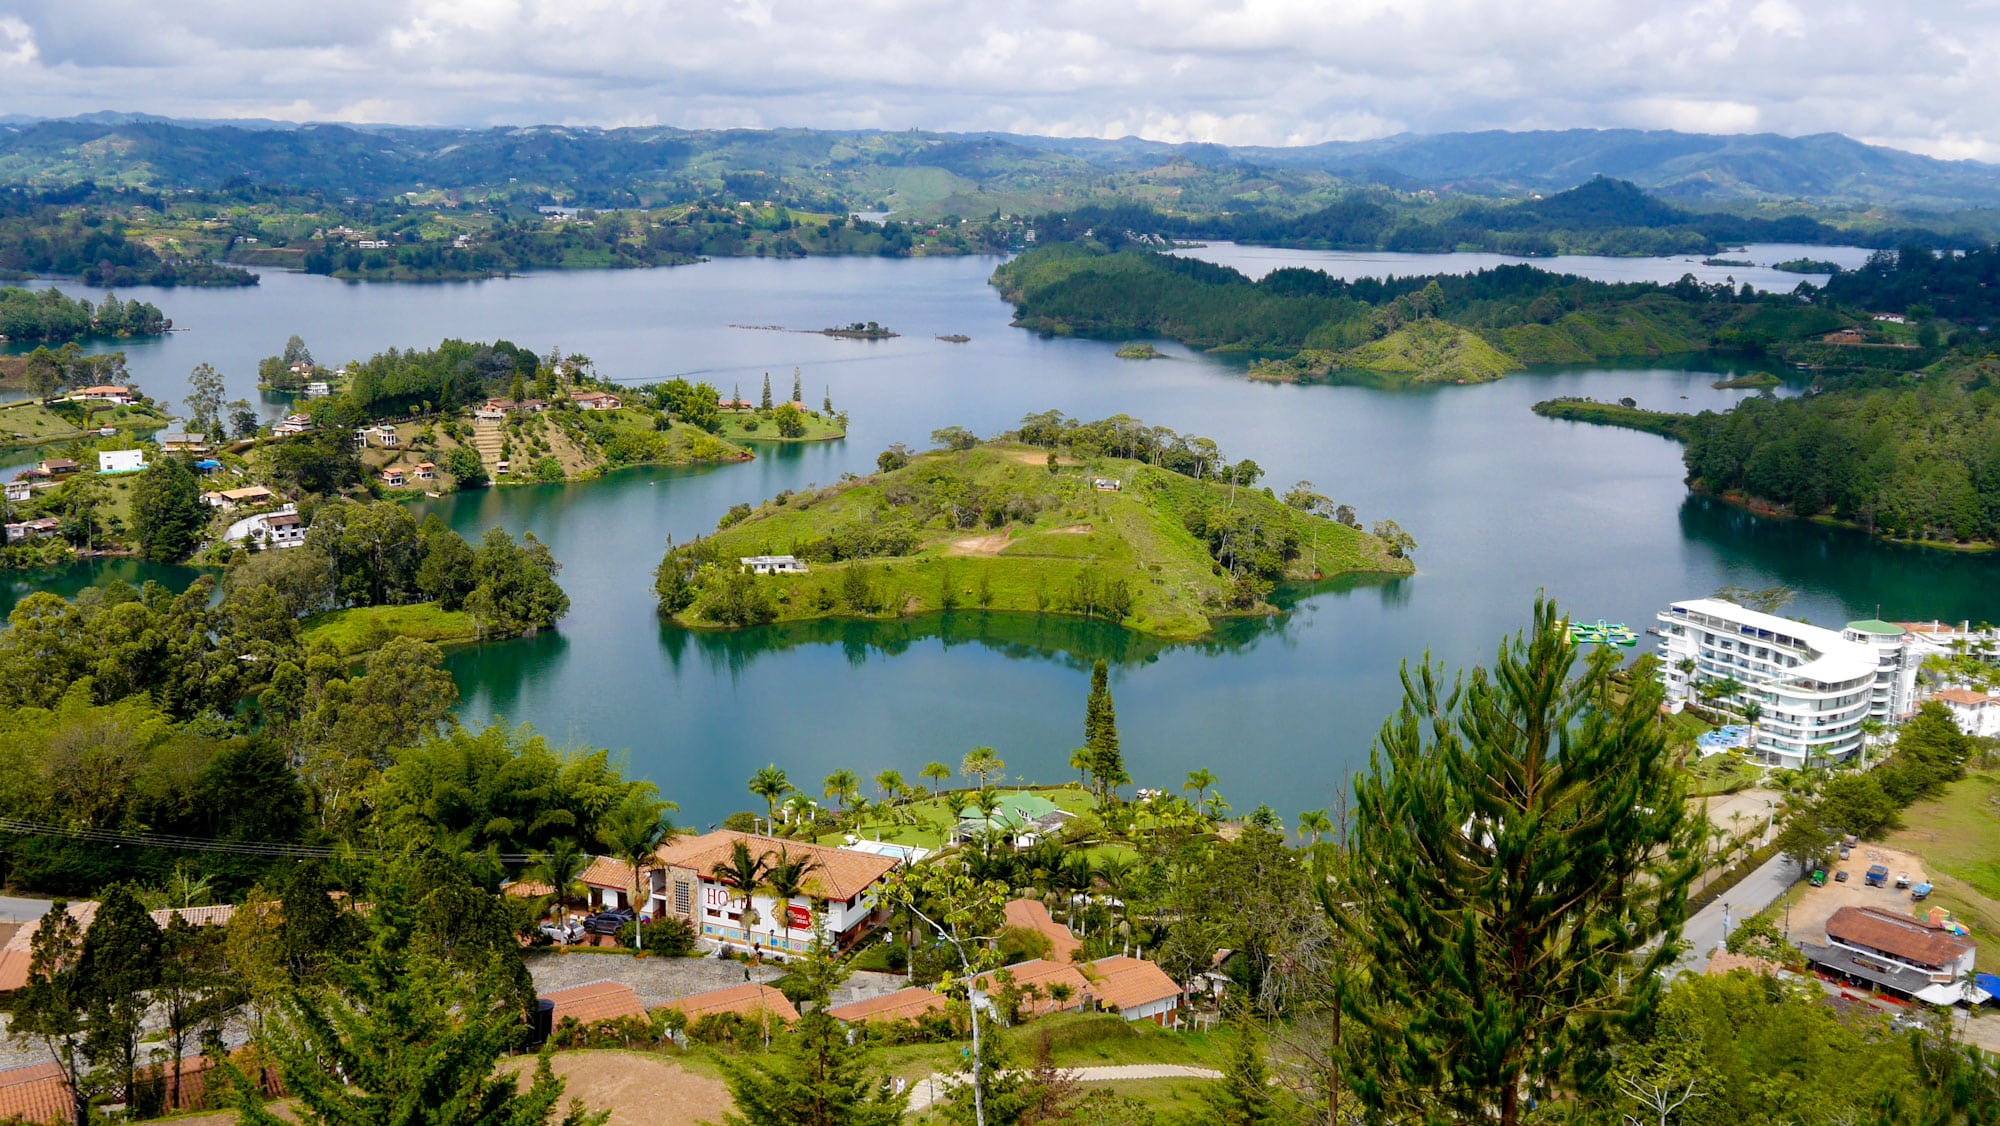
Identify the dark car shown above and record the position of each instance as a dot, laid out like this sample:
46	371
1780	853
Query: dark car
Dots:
1840	877
609	922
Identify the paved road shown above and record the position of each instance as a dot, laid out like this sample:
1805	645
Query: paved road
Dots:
928	1091
1758	890
16	910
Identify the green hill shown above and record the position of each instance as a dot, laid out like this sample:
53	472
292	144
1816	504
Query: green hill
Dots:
1419	353
992	527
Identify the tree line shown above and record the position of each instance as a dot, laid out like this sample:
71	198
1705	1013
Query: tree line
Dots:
49	316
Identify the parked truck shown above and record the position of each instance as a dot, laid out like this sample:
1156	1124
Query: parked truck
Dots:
1878	876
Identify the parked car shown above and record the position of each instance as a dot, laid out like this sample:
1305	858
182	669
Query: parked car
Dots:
1921	891
1878	875
563	933
1819	877
609	922
1840	877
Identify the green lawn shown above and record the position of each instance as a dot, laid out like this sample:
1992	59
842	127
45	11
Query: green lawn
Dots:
364	628
29	423
819	428
1958	832
926	822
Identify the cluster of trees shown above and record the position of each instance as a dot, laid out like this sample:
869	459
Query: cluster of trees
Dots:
1917	459
48	315
37	236
455	373
1533	315
48	371
1921	283
1929	752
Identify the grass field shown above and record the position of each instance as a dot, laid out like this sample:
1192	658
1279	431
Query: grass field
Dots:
1958	832
29	423
819	428
927	822
364	628
1050	543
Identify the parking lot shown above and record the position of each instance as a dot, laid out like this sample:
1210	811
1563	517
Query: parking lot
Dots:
1814	906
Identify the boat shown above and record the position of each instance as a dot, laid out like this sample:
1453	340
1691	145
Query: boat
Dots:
1602	632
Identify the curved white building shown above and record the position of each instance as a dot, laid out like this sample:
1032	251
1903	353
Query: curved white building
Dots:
1816	685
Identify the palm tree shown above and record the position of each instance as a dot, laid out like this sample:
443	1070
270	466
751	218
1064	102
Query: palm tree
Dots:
1073	876
770	784
980	762
1315	823
841	785
560	868
800	809
935	773
861	810
634	833
1199	781
743	871
1079	761
785	879
891	784
1115	873
1752	711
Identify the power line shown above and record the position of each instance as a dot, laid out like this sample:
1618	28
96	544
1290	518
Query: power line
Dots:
202	844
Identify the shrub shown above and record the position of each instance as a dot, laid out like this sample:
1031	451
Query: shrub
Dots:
669	937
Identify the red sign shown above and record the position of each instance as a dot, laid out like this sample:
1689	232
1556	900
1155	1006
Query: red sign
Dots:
800	918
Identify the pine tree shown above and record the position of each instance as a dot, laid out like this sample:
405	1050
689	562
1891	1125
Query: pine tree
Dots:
767	391
826	404
120	963
813	1076
798	393
1100	735
50	1008
1521	858
1242	1097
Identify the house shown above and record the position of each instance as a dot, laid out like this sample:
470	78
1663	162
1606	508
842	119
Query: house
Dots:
1887	951
595	400
591	1003
426	471
772	565
111	394
1030	914
18	491
1134	989
845	885
176	441
1976	713
509	406
39	528
17	953
57	466
490	413
1106	484
735	405
385	436
121	461
318	389
207	465
1020	817
394	477
1842	336
747	1000
1047	987
283	529
1890	318
903	1004
229	500
296	424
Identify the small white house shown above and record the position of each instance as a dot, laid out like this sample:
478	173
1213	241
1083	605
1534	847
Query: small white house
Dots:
283	529
121	461
1106	484
1976	713
772	565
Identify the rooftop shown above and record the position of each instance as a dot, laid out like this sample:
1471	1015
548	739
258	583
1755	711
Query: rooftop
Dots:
1900	935
1121	982
839	874
1030	914
1835	658
904	1004
1042	974
1877	626
740	999
594	1002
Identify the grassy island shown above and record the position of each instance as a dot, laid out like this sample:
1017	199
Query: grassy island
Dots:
1140	352
1422	353
1017	526
778	425
1756	380
1663	423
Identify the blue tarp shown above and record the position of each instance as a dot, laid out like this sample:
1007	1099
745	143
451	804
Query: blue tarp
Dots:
1989	982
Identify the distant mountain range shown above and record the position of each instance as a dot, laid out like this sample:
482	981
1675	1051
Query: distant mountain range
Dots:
970	173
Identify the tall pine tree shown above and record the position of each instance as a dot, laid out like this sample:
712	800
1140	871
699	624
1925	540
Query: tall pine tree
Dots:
1520	865
1100	735
1242	1097
798	393
767	391
120	964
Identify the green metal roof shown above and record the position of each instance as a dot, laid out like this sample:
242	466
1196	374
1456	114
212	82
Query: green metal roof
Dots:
1876	625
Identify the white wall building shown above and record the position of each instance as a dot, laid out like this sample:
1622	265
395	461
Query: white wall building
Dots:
1815	685
1975	712
121	461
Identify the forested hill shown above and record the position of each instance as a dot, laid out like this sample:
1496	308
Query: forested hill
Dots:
1524	314
971	173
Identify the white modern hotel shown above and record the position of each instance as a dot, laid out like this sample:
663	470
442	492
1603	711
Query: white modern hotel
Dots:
1816	685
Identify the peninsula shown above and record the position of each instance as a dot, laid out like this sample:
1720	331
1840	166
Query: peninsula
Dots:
1055	518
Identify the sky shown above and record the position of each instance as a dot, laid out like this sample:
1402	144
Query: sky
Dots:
1917	76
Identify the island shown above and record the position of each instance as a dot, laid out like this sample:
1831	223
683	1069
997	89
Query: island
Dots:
1422	353
1756	380
859	330
52	317
1048	519
1807	266
1140	352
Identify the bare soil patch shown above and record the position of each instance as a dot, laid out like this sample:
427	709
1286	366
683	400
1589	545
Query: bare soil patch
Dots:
1073	530
1033	457
983	546
636	1088
1816	905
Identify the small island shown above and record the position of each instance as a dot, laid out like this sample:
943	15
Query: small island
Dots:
955	338
1043	520
1754	380
1140	352
860	330
1734	263
1807	266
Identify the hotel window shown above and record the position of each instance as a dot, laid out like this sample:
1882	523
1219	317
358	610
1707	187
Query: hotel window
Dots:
683	897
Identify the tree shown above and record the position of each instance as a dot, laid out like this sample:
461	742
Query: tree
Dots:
841	785
120	964
1242	1097
770	784
890	785
195	991
168	514
634	833
1197	780
892	459
296	352
765	403
1521	857
814	1075
561	868
1399	542
798	394
954	438
744	871
465	467
52	1007
242	419
790	420
964	914
936	773
1316	824
980	762
1100	735
1079	761
785	878
204	400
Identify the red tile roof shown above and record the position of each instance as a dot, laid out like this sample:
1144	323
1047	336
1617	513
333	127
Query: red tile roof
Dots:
1042	974
1030	914
594	1002
18	954
903	1004
1966	696
1120	982
744	999
840	874
34	1094
1899	935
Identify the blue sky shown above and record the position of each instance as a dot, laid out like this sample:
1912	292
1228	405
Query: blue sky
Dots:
1250	72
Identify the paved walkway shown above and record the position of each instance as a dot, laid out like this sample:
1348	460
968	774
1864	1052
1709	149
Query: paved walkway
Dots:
1758	890
15	909
933	1089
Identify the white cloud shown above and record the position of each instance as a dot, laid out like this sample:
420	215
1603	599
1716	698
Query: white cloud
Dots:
1234	71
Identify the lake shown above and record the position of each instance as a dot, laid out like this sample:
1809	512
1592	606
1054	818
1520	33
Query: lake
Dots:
1502	502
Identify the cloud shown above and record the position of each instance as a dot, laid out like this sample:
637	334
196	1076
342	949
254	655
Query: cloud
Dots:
1232	71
